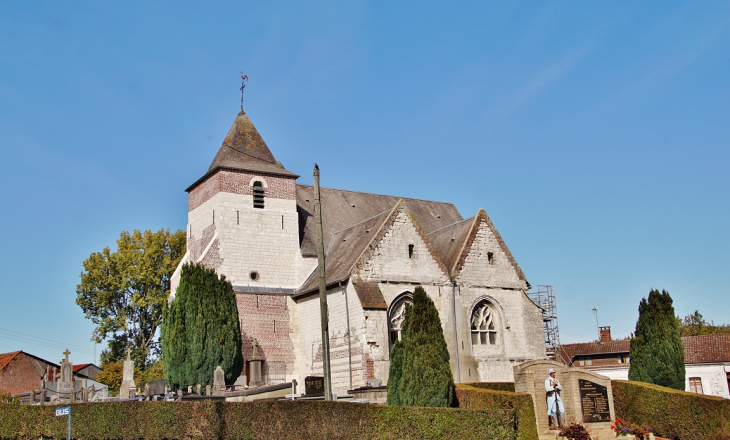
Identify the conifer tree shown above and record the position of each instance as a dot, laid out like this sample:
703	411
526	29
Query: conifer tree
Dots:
420	374
657	353
200	330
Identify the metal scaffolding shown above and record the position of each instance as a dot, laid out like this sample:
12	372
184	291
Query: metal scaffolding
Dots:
544	297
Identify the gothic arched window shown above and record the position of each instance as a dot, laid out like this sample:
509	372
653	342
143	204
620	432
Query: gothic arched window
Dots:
483	325
396	315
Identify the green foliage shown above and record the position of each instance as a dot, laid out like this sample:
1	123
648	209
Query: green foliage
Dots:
673	414
260	420
200	330
111	375
112	372
421	374
9	399
696	325
480	396
396	367
495	386
124	292
657	352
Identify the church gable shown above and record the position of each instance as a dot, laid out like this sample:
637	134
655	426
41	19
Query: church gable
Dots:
485	259
401	253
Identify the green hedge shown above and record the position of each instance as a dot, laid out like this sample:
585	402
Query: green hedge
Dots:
673	414
254	420
470	396
496	386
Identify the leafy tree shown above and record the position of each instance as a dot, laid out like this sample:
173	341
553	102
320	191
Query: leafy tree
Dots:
124	292
200	330
657	352
696	325
111	375
420	374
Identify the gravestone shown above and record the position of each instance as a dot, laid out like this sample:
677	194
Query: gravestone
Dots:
219	381
314	386
256	366
587	396
65	381
157	387
128	389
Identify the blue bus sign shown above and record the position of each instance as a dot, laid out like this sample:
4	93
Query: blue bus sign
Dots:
63	411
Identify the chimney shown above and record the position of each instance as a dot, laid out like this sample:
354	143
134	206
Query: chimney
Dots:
605	334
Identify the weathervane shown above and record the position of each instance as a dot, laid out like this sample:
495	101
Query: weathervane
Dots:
244	78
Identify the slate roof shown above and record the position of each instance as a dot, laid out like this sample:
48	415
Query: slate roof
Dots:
697	349
370	295
345	248
454	243
342	209
244	149
449	241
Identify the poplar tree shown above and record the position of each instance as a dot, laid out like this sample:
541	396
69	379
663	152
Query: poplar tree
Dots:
420	372
657	353
200	330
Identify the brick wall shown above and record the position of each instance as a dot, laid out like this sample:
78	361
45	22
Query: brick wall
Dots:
266	319
20	376
235	182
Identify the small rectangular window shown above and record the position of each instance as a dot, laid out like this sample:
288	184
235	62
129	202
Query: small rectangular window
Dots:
490	257
695	385
237	218
410	250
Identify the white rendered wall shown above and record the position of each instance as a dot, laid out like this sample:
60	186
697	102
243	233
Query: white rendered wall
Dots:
262	240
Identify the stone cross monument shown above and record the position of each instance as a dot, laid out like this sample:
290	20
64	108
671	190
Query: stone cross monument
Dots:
65	381
128	389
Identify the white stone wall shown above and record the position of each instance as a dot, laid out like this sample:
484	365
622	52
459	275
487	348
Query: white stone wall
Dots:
307	338
390	261
262	240
478	271
713	376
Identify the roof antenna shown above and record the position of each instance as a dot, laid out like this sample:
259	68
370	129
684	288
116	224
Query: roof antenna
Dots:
244	78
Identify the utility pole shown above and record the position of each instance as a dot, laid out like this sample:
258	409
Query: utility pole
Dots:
322	291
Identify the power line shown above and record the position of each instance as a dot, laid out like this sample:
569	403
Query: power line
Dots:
22	337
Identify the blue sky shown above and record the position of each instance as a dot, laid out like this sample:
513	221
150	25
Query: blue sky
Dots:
595	135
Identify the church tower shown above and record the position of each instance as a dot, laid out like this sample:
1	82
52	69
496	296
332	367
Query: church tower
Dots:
242	215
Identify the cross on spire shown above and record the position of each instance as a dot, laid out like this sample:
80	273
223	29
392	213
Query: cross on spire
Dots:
244	79
66	353
129	350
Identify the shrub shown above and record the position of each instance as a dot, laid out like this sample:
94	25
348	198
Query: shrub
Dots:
673	414
421	374
496	386
260	420
657	352
469	396
575	432
200	330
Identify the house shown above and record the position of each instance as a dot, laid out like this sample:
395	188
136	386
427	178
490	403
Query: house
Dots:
706	357
88	370
21	372
251	221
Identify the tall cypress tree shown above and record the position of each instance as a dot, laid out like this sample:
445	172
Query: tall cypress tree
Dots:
200	330
420	374
657	353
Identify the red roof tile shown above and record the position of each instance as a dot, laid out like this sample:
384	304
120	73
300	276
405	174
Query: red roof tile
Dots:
5	358
697	349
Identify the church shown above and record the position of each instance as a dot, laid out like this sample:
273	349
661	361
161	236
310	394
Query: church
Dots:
251	221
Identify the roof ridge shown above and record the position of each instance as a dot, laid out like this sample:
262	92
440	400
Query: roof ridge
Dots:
378	194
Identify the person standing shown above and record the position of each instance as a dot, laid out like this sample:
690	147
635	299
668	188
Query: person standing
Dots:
555	408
